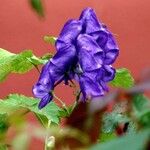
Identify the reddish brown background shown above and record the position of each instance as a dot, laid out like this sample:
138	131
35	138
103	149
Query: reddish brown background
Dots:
20	29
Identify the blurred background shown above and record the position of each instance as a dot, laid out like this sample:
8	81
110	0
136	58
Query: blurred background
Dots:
21	28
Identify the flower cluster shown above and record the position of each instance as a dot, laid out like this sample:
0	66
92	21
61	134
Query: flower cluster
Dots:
85	52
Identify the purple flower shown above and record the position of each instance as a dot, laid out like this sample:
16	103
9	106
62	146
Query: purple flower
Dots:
85	51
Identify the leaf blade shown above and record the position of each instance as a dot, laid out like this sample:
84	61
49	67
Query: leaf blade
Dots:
16	102
123	79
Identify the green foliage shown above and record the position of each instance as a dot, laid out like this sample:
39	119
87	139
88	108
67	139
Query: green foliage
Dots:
37	5
105	137
141	105
46	57
123	78
111	120
50	39
17	63
3	147
3	123
129	142
15	102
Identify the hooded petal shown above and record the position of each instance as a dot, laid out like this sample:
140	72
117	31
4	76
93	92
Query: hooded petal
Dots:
90	21
69	33
90	55
102	38
64	58
108	73
90	87
111	50
111	56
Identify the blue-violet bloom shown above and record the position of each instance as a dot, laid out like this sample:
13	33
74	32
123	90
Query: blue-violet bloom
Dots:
85	51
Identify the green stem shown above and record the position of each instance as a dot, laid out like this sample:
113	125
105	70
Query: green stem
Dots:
46	139
63	104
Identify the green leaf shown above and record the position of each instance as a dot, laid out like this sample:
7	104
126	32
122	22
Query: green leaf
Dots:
46	57
17	63
141	102
4	124
105	137
123	78
128	142
141	107
50	39
42	119
16	102
37	5
3	147
111	120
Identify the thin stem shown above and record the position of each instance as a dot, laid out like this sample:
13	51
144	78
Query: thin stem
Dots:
63	104
78	96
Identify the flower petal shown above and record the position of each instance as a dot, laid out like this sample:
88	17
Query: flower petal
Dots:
102	38
69	33
45	100
44	84
111	56
90	88
90	21
90	55
108	73
64	58
111	49
54	71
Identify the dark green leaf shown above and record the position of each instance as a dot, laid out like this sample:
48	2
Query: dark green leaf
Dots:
37	5
16	102
123	78
4	124
129	142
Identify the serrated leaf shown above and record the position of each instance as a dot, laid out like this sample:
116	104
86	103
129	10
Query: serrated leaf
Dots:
16	102
123	78
129	142
17	63
50	39
37	5
111	120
